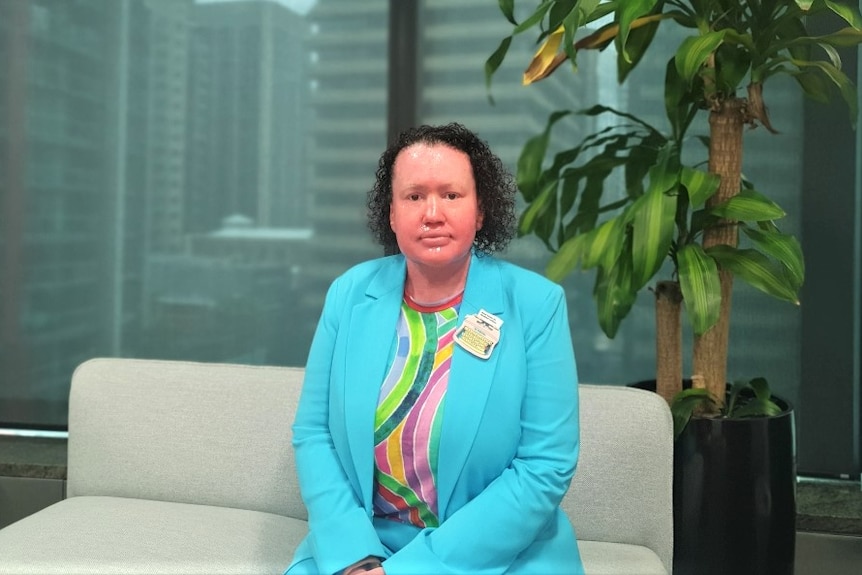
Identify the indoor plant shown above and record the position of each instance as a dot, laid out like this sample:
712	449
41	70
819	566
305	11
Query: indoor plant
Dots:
673	208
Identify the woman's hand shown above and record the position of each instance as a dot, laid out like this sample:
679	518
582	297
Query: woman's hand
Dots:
368	566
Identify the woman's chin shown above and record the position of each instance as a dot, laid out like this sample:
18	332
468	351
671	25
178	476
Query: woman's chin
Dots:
437	256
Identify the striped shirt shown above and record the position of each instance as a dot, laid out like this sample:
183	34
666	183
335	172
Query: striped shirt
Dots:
410	412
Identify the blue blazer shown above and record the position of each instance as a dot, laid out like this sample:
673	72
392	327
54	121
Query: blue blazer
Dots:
509	438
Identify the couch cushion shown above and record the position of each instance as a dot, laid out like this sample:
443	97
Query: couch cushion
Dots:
118	536
601	558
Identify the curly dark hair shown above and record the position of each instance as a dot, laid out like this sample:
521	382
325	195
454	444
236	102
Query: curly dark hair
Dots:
495	187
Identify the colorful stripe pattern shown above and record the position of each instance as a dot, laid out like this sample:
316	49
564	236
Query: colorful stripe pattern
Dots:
409	415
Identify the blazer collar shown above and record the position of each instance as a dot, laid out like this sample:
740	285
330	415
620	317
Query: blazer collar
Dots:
470	381
484	289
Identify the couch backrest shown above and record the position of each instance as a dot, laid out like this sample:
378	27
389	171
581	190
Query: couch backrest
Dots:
185	432
622	491
220	434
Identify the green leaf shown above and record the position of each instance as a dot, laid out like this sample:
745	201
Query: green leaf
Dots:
546	223
701	185
702	219
664	175
694	51
843	38
789	30
744	41
652	218
641	158
600	246
537	208
700	285
756	407
605	244
760	387
566	259
683	405
813	85
834	58
784	248
570	25
559	12
627	13
755	269
613	294
748	205
845	86
568	194
493	63
599	109
732	64
535	18
637	44
676	93
596	10
847	12
507	7
531	158
742	404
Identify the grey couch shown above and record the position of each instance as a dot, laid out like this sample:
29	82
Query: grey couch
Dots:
186	468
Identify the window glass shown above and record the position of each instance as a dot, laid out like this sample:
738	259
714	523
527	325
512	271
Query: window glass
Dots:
179	179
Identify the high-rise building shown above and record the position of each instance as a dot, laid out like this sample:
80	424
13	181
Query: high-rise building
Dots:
347	48
247	116
54	198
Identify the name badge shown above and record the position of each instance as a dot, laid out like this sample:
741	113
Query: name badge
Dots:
479	333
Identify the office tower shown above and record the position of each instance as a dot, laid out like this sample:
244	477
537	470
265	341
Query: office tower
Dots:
348	75
347	63
247	116
159	45
55	235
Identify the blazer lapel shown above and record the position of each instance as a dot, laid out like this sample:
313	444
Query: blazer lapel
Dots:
371	335
470	381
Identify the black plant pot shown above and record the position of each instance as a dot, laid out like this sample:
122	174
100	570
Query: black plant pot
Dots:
735	495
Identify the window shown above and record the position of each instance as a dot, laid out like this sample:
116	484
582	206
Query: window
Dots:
168	195
184	178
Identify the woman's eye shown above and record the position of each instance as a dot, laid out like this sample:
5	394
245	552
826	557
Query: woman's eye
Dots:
451	196
413	197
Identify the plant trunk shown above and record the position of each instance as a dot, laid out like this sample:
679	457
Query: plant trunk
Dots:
668	305
726	122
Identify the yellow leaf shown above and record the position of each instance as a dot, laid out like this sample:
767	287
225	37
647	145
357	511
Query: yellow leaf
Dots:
547	58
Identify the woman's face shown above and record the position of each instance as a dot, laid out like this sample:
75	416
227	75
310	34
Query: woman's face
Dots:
435	211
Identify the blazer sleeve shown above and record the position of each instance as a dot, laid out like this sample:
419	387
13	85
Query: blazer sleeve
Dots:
340	529
488	533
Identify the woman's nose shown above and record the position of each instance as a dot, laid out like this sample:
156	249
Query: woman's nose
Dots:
431	208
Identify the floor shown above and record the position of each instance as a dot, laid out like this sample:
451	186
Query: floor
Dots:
823	554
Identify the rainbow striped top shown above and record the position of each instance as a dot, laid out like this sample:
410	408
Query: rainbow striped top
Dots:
409	415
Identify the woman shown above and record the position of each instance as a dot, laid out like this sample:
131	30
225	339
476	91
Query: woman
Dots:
437	429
